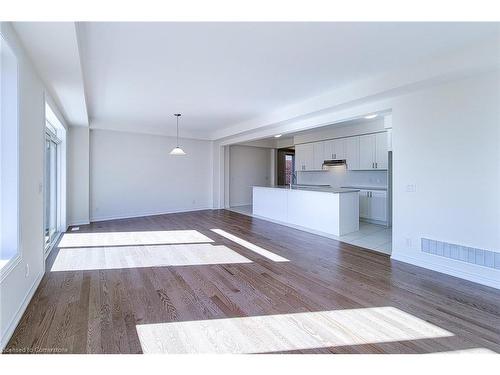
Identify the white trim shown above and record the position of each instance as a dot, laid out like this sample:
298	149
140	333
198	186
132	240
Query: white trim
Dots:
150	213
16	259
81	222
17	317
476	278
51	246
9	266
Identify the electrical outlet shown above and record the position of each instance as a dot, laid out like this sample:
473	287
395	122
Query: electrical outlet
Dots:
27	270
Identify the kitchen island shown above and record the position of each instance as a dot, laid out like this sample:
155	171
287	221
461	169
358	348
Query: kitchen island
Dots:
320	210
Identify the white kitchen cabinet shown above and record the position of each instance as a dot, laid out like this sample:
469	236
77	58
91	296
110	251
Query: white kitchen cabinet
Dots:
351	152
381	147
378	205
318	155
319	212
373	205
334	149
373	151
364	209
304	157
367	151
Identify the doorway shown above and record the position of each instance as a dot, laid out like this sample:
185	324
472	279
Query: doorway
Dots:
285	166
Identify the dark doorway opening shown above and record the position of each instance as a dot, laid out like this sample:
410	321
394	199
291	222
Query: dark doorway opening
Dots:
286	165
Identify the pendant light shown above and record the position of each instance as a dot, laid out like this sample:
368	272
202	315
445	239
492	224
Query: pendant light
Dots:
177	151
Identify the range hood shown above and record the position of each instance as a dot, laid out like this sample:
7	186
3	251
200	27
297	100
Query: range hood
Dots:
334	163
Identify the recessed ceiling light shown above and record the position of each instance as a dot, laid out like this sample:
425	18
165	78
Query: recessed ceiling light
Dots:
371	116
277	136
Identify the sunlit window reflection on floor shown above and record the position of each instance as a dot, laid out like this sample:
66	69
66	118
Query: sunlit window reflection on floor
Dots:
132	238
250	246
273	333
98	258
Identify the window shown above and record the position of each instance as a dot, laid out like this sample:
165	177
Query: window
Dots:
53	177
9	157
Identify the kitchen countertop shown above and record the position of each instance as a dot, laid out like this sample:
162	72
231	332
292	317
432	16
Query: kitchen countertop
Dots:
321	189
365	187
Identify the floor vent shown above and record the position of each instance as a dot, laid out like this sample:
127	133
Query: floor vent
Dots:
466	254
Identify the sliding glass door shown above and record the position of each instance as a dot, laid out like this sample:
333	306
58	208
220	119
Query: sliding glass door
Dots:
51	187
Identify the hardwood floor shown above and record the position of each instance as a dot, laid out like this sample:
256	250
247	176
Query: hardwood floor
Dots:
170	283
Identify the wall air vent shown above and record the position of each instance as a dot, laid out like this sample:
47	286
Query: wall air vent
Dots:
480	257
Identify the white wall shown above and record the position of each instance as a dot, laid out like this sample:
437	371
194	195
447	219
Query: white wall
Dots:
446	141
248	166
17	287
78	176
133	175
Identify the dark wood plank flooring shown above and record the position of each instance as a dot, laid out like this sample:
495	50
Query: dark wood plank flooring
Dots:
96	311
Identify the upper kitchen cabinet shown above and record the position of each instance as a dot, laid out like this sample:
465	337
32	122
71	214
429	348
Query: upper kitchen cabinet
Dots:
381	149
334	149
318	155
304	157
351	152
367	151
373	151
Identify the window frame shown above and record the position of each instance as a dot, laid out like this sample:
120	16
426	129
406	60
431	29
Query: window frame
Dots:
15	260
50	133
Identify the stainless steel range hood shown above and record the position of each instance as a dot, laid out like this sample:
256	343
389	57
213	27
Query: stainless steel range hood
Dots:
334	163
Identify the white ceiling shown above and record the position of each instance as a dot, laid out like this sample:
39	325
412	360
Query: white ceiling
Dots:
53	47
136	75
219	74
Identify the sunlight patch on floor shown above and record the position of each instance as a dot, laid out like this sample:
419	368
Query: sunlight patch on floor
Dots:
250	246
99	258
157	237
273	333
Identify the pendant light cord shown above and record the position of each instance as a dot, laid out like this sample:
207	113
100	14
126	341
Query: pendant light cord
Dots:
177	115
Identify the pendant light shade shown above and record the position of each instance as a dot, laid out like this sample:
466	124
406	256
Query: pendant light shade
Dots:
177	151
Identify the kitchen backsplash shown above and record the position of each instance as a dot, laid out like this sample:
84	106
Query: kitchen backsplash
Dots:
339	176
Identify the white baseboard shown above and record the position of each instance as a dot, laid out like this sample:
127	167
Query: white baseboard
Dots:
75	223
17	317
448	270
151	213
240	204
52	245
